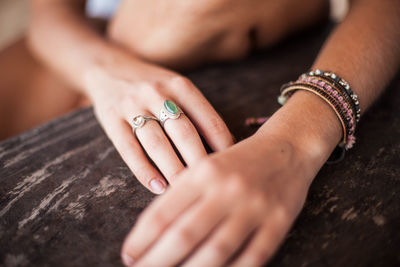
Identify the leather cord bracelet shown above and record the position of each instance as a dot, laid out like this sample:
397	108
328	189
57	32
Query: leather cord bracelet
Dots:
336	92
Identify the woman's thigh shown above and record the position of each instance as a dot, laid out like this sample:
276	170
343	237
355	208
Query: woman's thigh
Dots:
30	94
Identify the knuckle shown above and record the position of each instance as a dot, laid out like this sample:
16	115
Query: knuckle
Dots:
156	220
282	214
222	249
185	131
152	141
128	102
217	126
127	148
259	201
186	236
123	150
106	114
154	88
209	167
173	177
180	82
142	173
236	186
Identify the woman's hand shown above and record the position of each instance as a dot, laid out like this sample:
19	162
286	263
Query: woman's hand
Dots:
127	88
235	206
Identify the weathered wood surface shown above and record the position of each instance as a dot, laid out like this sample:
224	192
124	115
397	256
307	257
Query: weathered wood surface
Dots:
67	199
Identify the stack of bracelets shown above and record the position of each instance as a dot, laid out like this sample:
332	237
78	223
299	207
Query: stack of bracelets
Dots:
334	91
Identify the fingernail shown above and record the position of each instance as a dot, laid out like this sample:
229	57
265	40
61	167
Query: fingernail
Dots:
127	260
157	185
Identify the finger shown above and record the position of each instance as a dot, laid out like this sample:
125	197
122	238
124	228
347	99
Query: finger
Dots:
159	149
228	238
185	233
261	247
159	215
202	114
186	139
131	152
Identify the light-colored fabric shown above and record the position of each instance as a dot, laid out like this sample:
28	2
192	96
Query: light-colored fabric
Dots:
105	9
102	9
339	9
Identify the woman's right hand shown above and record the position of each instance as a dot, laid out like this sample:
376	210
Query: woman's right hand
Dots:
127	88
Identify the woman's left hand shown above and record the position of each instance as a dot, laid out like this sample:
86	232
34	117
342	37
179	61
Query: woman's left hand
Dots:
235	206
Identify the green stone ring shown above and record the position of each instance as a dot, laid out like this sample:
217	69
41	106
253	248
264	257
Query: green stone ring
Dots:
169	111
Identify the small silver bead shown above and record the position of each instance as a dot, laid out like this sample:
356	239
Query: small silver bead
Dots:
282	99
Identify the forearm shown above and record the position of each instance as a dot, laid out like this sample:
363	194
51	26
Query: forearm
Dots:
365	48
61	36
365	51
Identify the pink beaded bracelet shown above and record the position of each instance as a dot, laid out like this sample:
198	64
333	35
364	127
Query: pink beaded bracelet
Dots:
337	93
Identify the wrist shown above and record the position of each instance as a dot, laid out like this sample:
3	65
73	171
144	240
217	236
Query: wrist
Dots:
309	125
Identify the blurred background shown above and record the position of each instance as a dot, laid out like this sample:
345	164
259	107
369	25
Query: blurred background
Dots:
23	78
14	17
27	90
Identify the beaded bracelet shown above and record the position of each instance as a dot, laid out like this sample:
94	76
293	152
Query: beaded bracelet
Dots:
344	87
327	98
336	92
329	86
341	83
342	99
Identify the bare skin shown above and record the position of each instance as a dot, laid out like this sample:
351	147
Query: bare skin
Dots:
183	34
235	37
219	201
37	98
121	84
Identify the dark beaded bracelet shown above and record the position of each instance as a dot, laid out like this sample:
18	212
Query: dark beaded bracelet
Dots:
342	83
342	86
337	101
327	98
338	94
333	85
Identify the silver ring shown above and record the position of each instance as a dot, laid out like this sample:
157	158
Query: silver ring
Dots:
169	111
140	120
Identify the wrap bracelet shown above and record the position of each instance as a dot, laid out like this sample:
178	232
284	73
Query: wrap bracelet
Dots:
341	83
337	93
342	99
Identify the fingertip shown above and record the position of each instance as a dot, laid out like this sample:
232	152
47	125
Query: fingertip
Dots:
128	250
127	260
157	185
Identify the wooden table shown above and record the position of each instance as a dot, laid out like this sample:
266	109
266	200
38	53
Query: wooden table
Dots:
67	198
